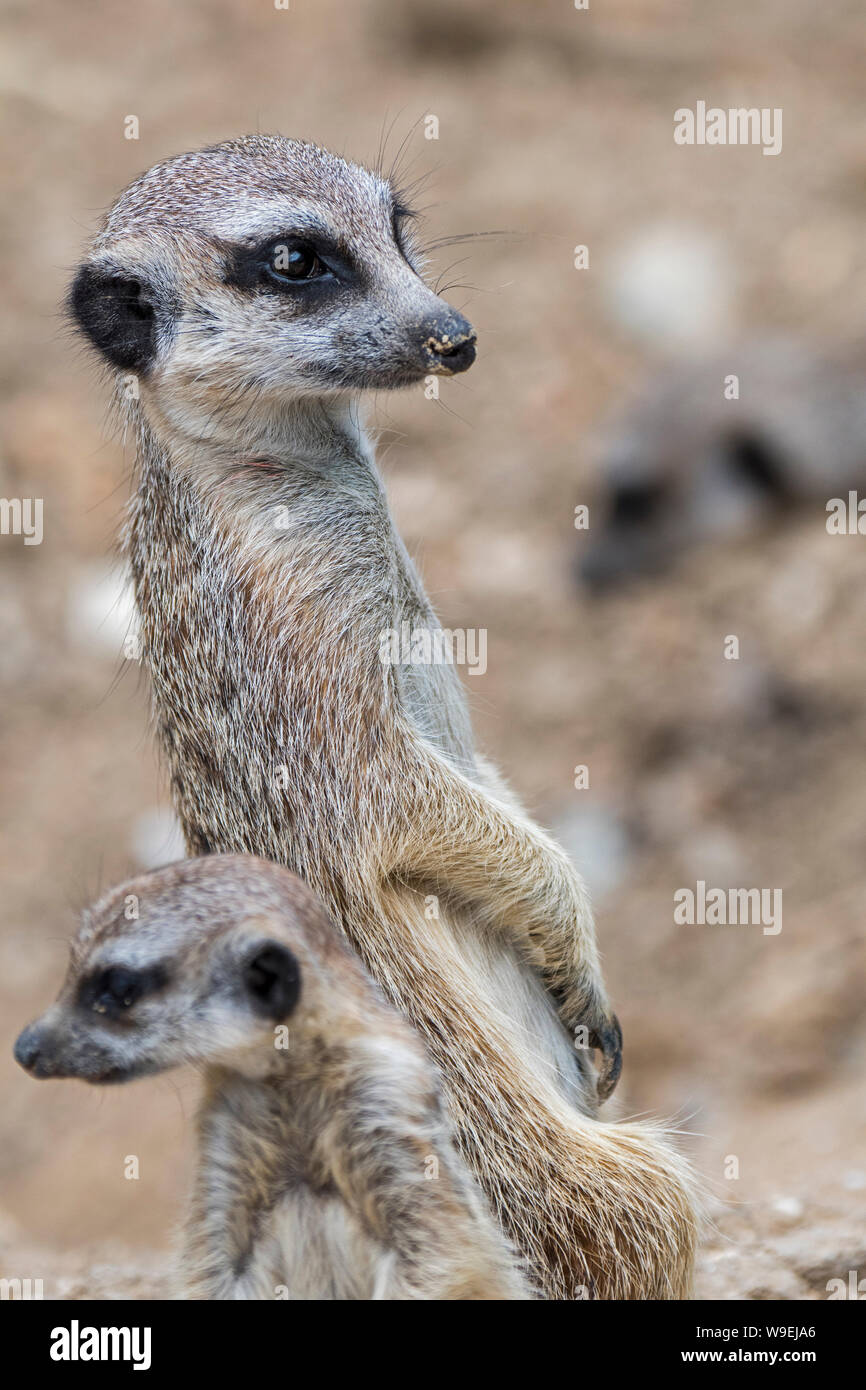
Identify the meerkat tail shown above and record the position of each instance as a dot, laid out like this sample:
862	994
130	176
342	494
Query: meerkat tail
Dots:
598	1209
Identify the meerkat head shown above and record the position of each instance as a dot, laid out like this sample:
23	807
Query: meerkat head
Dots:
258	271
197	962
673	474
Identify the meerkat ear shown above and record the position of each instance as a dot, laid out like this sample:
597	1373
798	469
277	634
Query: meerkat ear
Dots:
272	978
116	312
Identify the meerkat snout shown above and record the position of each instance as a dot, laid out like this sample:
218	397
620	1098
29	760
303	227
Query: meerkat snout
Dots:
450	348
29	1049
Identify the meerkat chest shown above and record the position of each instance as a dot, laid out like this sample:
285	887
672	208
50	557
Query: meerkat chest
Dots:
314	1248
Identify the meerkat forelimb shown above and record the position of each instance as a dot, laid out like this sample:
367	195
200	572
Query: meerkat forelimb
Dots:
456	834
325	1165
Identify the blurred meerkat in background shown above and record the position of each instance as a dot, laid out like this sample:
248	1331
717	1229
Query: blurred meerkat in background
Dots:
325	1167
718	446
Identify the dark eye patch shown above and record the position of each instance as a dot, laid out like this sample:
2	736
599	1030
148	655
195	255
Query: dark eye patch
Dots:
632	503
114	990
755	462
270	265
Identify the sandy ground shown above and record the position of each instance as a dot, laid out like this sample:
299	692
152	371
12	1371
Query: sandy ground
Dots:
554	126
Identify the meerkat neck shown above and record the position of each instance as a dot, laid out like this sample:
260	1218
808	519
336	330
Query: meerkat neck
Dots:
309	437
280	1127
264	584
295	497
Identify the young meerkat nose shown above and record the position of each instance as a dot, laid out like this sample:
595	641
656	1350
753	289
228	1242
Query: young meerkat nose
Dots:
28	1049
448	343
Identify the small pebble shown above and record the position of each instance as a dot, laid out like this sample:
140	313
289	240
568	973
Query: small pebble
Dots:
790	1207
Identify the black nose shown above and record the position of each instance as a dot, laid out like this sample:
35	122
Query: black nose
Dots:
28	1049
449	343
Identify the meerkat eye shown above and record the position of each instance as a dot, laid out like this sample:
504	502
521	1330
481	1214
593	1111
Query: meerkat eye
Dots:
295	261
118	988
113	990
635	502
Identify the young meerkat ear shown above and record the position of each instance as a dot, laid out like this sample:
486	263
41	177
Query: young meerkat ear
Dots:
117	313
272	979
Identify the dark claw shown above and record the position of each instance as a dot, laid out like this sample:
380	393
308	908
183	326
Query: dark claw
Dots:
609	1043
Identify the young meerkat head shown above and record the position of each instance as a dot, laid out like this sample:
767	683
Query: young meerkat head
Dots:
260	270
197	962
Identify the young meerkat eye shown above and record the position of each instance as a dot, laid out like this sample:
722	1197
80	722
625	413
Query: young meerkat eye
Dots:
633	503
298	260
116	989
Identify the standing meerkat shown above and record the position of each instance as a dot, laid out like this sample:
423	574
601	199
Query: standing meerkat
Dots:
245	296
325	1167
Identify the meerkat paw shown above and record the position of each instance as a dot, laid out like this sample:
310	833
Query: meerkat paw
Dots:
592	1023
607	1038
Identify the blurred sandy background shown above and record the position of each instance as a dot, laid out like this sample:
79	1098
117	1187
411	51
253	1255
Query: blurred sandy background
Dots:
557	125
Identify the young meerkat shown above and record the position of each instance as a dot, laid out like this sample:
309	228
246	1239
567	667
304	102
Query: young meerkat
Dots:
245	296
325	1167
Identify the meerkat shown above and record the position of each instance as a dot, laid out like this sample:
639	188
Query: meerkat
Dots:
246	296
325	1167
720	446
